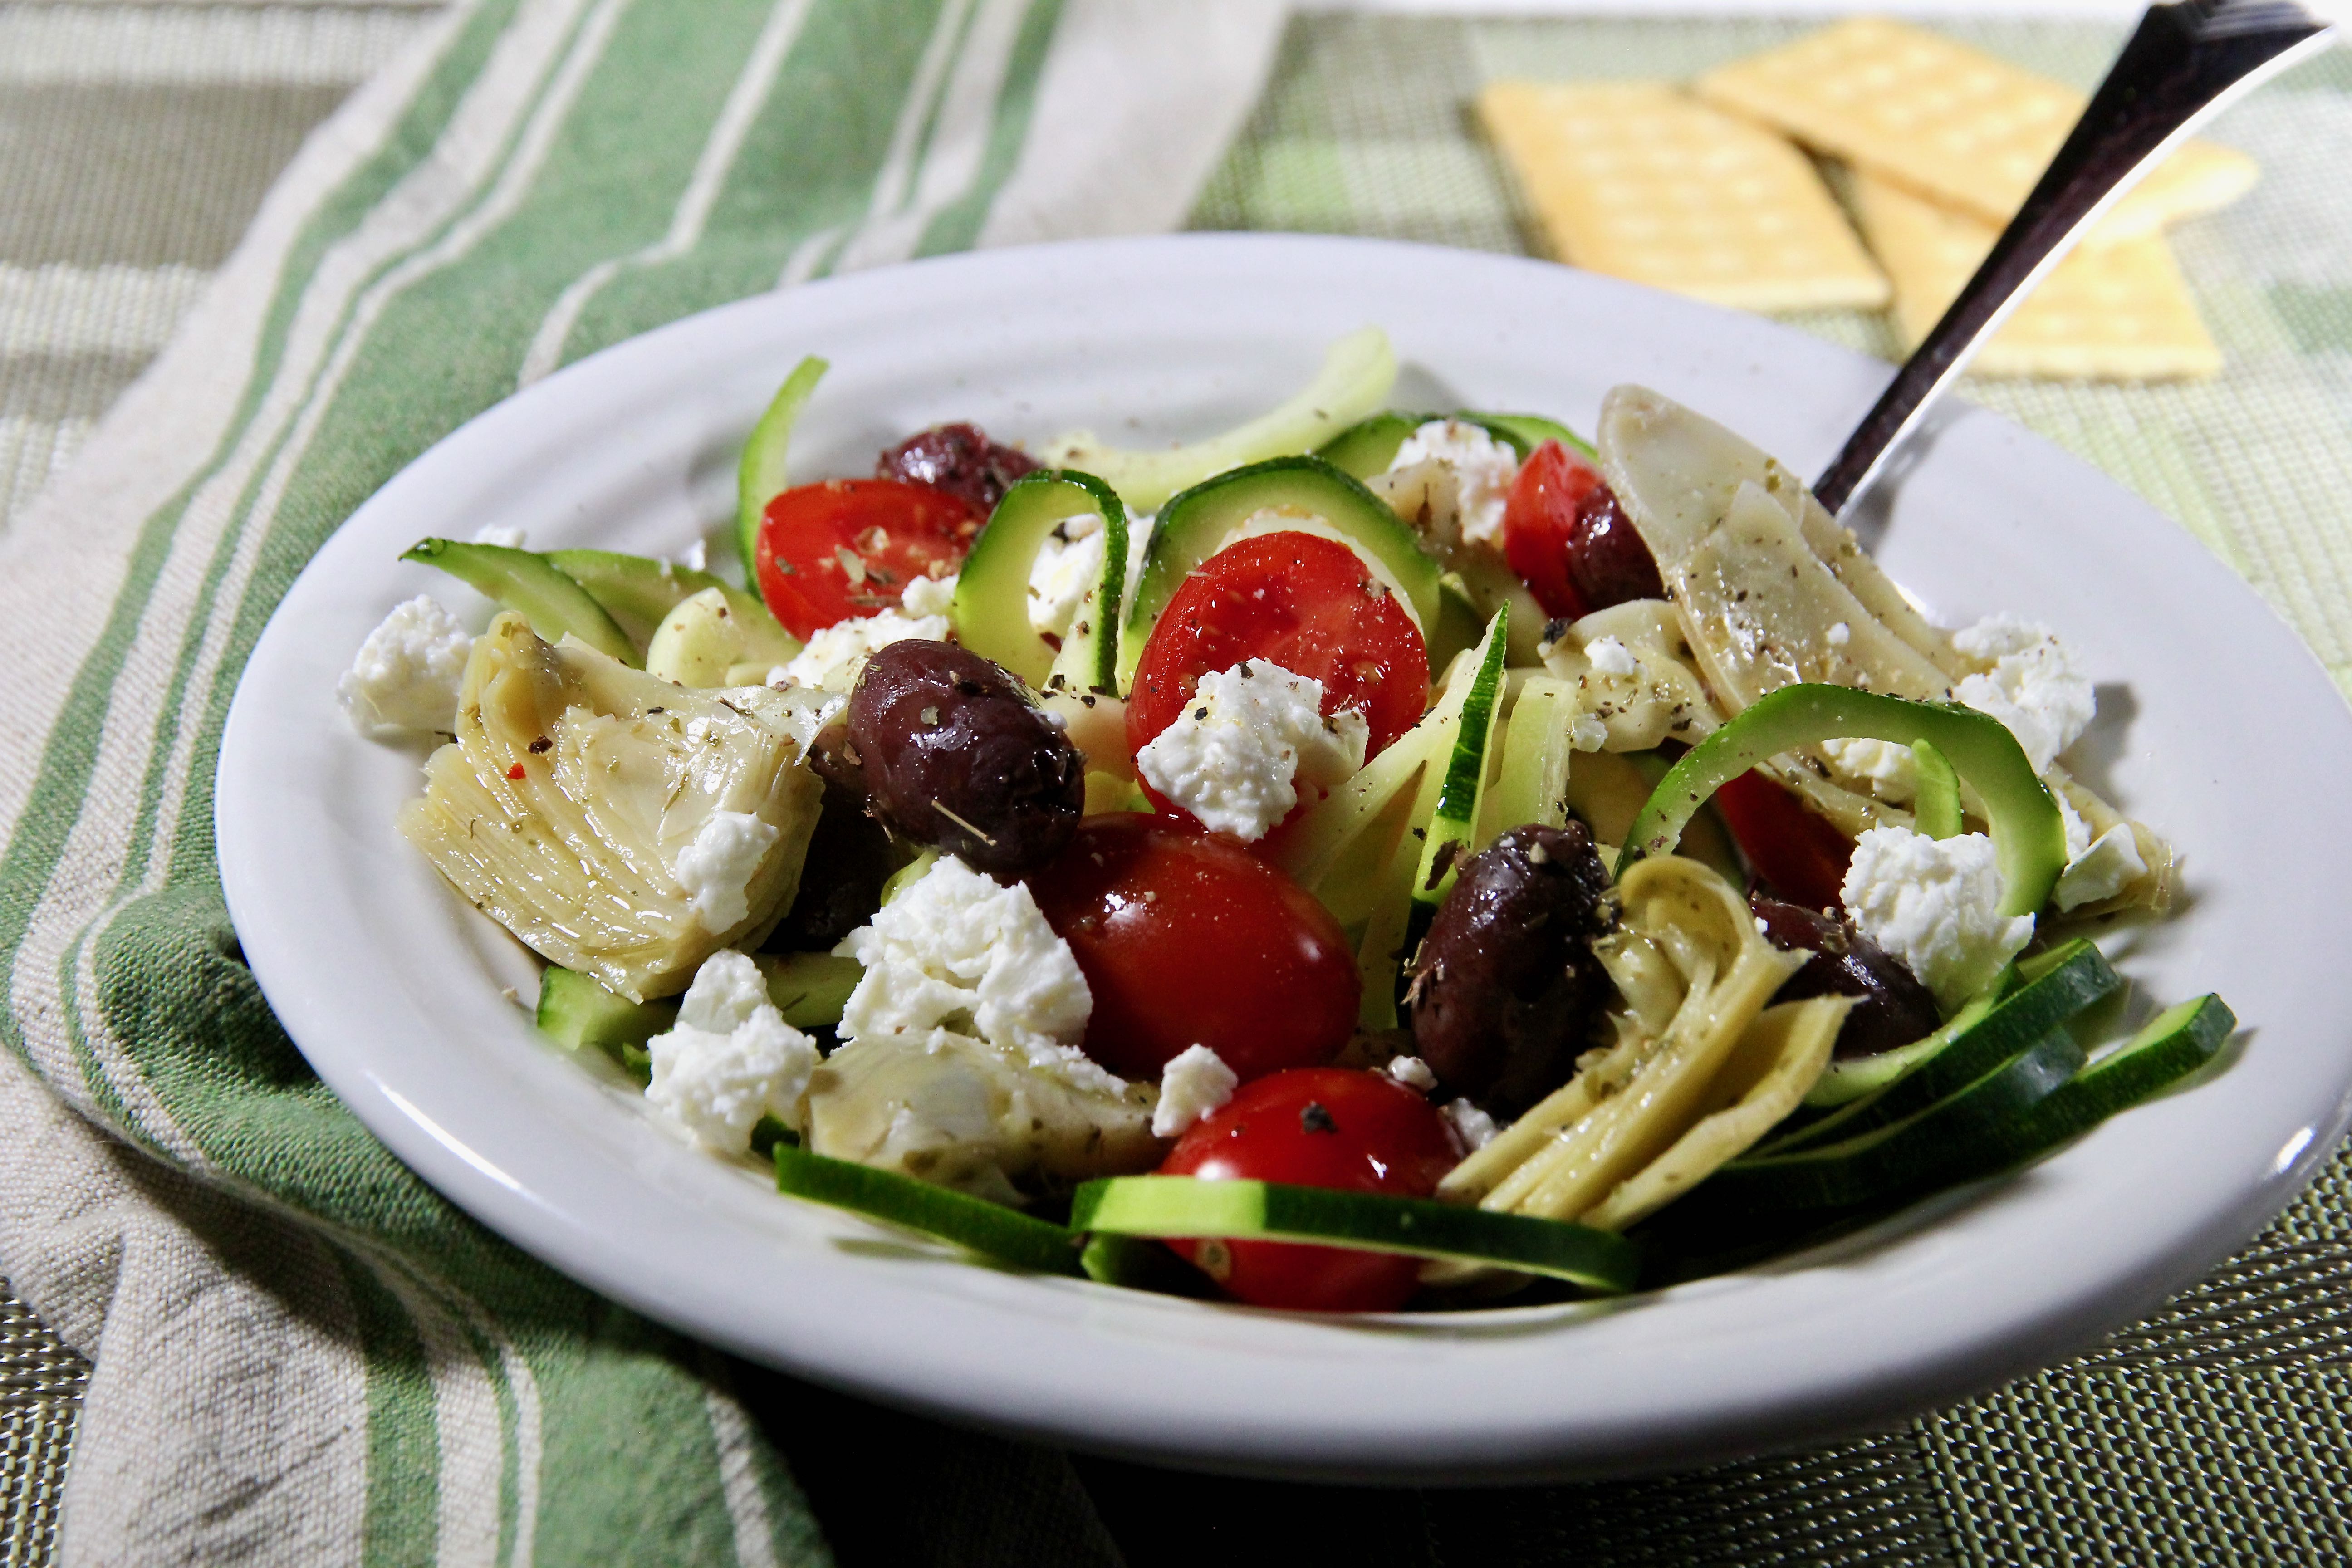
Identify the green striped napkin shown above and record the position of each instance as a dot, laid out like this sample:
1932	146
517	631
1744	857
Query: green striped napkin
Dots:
303	1354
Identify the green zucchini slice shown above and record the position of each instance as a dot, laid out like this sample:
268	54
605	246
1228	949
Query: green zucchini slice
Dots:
2029	836
1202	521
992	601
1369	446
809	989
760	475
575	1011
973	1224
1454	823
1937	806
1526	432
532	587
636	591
2179	1041
1188	1206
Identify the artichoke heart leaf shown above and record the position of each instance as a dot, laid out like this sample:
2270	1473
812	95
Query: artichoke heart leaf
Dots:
574	785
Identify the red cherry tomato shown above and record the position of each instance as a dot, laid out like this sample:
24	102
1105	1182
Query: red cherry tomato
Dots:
1317	1127
846	548
1798	855
1298	600
1539	525
1185	938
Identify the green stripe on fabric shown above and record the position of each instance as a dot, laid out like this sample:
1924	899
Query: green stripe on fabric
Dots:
958	227
403	1450
808	164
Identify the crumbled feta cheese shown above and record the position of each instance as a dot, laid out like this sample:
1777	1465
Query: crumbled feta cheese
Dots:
406	674
1231	758
955	950
1068	563
1471	1127
1483	470
716	868
1610	656
1587	732
833	658
696	556
731	1059
505	538
928	596
2031	684
1840	633
1412	1072
1195	1082
1936	905
2094	869
1887	766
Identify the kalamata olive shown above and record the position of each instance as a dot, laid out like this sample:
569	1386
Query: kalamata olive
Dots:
958	459
849	858
957	756
1506	990
1606	558
1892	1007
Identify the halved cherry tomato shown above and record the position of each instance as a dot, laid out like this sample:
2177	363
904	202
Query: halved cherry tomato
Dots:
1795	853
1186	938
1298	600
1317	1127
832	552
1539	525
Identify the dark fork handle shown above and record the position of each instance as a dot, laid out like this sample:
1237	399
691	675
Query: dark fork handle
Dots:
2185	61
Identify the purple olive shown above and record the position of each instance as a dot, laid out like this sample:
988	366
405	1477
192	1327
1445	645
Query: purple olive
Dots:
1892	1008
958	459
1607	559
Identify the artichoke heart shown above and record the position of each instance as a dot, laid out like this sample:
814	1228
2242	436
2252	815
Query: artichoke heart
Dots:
965	1113
576	785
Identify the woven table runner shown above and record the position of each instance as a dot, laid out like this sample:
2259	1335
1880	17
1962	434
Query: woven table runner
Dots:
2210	1433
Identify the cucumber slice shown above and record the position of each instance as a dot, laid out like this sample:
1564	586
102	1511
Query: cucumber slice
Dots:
760	475
709	636
810	989
973	1224
636	591
1188	1207
1198	524
533	588
1356	376
575	1011
1936	806
2079	976
1526	432
992	601
1933	1149
1454	823
2029	836
1369	446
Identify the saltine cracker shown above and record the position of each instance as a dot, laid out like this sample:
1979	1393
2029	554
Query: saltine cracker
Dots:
1955	124
1642	182
2118	313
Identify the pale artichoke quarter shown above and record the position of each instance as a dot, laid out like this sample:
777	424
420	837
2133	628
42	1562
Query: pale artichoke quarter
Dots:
575	782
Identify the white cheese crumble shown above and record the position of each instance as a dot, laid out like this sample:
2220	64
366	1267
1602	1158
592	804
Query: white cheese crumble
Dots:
955	950
1412	1072
2031	684
505	538
1234	756
1483	469
1887	766
1471	1127
716	868
731	1059
833	658
1840	633
1195	1082
1069	563
406	674
1936	905
696	556
928	596
2096	868
1610	656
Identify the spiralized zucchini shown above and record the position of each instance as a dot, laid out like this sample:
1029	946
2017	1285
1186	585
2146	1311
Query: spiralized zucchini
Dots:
1698	1073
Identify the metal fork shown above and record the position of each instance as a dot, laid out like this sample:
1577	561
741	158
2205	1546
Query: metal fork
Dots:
2183	64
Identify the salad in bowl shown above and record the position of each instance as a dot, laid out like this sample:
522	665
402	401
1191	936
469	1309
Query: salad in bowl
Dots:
1368	859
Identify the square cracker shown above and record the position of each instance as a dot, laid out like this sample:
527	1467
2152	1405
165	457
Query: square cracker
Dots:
1642	182
1972	132
2118	313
